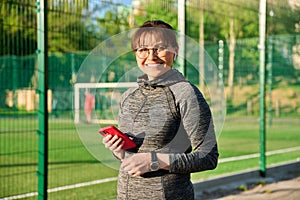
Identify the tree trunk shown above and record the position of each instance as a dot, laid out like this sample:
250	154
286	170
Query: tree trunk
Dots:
232	42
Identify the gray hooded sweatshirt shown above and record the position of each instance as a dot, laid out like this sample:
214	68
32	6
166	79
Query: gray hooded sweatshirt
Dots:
167	115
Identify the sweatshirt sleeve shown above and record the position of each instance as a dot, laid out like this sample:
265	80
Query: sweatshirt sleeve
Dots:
197	122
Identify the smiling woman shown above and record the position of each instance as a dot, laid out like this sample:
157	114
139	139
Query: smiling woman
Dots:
169	120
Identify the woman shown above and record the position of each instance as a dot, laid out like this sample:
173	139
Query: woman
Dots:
168	118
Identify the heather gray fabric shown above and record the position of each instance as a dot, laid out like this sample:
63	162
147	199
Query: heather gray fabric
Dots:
167	115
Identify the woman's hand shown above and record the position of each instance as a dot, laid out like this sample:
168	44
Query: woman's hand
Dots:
115	144
137	164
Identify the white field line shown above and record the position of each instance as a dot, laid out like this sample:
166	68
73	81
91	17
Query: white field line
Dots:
256	155
78	185
67	187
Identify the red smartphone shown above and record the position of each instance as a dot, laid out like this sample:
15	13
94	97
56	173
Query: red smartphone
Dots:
129	143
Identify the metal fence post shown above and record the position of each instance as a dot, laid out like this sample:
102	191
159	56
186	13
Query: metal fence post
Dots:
181	28
262	102
42	52
270	77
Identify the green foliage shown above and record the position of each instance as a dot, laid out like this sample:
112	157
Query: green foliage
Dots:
158	10
72	27
282	18
242	187
113	22
17	28
79	37
244	15
261	182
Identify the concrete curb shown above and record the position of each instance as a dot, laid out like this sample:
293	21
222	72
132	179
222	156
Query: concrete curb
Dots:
233	181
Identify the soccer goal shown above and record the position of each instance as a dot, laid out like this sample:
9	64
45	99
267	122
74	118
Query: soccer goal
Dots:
107	98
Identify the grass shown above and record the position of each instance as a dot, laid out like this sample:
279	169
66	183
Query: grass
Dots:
75	157
241	137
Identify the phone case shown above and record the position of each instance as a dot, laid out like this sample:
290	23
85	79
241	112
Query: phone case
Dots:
129	143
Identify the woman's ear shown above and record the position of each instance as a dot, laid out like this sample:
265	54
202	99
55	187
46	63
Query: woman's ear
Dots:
175	53
175	56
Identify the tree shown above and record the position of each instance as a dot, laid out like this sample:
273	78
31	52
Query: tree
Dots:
240	21
283	17
222	22
155	9
67	26
114	21
17	28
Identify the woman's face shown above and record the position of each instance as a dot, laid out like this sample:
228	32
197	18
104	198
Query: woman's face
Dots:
154	57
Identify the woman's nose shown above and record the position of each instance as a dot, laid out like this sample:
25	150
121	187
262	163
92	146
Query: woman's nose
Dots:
152	53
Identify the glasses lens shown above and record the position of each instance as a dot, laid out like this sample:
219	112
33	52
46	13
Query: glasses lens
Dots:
161	49
144	52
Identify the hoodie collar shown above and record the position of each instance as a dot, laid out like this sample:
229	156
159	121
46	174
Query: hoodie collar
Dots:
169	78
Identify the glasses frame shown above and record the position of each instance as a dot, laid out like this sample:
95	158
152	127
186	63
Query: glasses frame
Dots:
146	50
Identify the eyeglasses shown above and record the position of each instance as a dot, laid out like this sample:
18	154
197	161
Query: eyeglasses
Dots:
145	51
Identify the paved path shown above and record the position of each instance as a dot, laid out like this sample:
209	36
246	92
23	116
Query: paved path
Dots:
282	182
282	190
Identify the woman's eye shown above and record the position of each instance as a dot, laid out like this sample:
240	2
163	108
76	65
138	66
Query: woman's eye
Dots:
161	48
143	50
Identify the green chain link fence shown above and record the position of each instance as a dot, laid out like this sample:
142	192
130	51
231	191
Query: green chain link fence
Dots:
69	162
